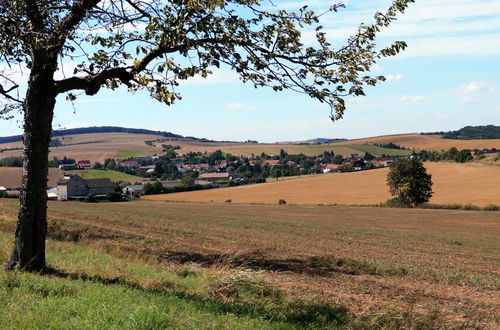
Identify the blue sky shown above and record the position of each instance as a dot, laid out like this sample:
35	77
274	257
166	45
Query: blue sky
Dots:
448	78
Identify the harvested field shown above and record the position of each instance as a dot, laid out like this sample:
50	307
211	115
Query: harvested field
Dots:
10	177
95	147
454	183
373	260
427	142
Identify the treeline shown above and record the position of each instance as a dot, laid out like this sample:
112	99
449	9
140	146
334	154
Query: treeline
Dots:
471	133
453	154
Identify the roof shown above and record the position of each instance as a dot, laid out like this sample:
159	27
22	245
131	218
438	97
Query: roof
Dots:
99	183
223	175
3	188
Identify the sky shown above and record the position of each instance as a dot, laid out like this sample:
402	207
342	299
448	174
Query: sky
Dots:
448	78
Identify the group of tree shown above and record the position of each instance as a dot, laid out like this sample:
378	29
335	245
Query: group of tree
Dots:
471	133
143	45
453	154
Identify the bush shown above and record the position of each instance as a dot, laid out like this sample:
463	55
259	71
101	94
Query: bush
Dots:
114	196
228	200
282	202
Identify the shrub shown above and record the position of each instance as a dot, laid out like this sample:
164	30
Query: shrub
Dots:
228	200
282	202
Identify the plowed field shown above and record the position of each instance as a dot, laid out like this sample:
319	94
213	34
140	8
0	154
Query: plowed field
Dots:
372	260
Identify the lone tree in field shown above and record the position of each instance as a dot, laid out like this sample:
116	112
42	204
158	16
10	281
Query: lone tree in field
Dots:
409	181
154	45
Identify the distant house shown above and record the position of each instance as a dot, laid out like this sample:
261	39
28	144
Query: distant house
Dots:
201	167
70	166
214	176
85	165
382	162
2	191
270	162
99	186
330	167
73	186
133	189
130	163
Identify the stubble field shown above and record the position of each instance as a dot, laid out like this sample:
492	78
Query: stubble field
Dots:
372	260
428	142
454	183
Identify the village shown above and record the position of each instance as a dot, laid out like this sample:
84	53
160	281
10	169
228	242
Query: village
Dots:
195	170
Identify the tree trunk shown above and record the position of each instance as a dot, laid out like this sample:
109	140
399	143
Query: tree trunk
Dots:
31	229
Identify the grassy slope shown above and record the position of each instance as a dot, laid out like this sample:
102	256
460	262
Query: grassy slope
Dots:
88	288
113	175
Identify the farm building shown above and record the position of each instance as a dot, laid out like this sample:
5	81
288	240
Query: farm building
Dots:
214	176
84	164
73	186
2	191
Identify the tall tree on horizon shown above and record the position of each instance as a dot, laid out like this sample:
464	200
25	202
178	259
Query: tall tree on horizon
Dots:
155	45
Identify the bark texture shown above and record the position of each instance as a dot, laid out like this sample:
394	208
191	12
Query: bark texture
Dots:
31	229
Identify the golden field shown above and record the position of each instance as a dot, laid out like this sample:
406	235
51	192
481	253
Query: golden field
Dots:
94	147
427	142
454	183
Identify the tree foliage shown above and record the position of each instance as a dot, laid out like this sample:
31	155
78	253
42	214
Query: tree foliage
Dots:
409	181
154	46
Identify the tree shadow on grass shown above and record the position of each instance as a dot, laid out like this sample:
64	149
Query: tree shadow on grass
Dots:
316	266
301	313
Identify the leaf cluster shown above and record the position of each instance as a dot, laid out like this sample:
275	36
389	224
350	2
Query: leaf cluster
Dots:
155	45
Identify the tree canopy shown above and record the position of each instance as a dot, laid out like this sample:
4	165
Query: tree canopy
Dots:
409	181
155	45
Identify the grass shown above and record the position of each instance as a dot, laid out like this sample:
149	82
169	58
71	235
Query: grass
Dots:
109	174
378	151
126	154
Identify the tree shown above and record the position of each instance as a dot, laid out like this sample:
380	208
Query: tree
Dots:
153	46
409	181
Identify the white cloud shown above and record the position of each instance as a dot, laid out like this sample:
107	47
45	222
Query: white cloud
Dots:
478	87
396	77
411	98
466	100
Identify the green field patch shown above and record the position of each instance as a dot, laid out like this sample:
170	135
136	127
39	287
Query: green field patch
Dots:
379	151
109	174
126	154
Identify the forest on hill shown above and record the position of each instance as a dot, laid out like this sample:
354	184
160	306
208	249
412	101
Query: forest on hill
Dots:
471	133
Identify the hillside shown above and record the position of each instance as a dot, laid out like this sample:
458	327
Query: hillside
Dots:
95	147
101	145
454	183
426	142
